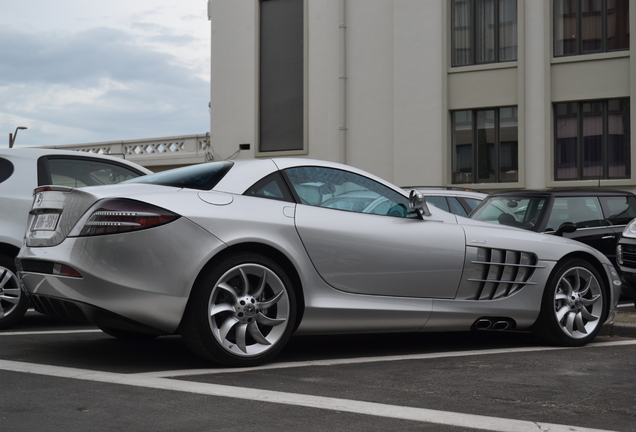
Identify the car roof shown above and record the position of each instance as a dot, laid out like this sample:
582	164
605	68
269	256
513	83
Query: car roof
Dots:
561	193
448	191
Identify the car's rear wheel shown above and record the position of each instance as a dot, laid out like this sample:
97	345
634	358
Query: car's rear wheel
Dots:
574	304
13	303
241	311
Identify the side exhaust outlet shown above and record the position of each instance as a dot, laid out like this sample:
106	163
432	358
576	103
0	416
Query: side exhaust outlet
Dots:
494	323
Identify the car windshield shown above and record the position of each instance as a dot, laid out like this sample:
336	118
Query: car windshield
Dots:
521	212
202	176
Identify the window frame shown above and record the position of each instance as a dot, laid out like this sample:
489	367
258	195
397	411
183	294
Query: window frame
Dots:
474	142
579	30
580	144
474	38
259	105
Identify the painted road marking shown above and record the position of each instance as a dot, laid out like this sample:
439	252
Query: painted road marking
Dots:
308	401
48	332
360	360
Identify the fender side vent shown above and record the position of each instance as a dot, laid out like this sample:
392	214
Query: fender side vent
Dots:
499	273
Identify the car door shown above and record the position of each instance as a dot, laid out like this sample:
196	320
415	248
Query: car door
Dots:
379	249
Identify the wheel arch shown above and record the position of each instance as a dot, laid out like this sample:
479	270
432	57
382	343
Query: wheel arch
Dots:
598	266
9	250
594	262
270	252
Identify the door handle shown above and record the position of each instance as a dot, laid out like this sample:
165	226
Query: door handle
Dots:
609	237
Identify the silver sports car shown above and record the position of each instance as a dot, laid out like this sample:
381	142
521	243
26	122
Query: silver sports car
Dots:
237	256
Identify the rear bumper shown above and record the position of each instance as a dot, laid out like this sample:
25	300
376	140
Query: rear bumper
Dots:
144	277
84	313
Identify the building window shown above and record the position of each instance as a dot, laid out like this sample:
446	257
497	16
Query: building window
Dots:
590	26
281	85
483	31
592	140
485	145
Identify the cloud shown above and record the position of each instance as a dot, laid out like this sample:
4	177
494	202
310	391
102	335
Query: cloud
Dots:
99	84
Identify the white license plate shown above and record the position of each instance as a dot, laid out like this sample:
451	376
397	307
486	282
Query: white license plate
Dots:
45	222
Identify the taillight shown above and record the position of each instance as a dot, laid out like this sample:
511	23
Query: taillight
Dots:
64	270
113	216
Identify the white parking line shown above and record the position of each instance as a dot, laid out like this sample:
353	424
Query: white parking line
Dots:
48	332
309	401
359	360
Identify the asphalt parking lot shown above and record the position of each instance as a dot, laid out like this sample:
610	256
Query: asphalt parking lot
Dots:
61	376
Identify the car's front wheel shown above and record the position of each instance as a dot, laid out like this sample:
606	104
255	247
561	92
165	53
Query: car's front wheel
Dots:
13	303
574	305
241	311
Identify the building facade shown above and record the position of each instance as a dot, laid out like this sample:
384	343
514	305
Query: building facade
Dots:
487	94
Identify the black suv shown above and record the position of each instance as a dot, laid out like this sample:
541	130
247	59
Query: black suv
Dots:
595	217
626	256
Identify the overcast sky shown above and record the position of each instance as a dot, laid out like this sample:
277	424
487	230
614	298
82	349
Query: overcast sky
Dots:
81	71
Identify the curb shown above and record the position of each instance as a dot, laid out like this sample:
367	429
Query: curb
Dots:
619	329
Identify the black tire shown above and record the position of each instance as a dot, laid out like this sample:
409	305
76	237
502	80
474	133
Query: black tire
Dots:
13	302
575	304
241	311
127	334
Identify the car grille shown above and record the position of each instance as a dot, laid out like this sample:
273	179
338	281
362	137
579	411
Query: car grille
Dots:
629	255
497	273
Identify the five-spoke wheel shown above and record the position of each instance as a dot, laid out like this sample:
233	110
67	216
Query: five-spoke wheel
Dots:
574	305
242	312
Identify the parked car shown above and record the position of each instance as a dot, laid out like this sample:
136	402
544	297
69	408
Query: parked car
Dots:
21	171
593	216
458	201
626	258
237	256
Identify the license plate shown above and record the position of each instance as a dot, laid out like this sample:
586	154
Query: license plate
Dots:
45	222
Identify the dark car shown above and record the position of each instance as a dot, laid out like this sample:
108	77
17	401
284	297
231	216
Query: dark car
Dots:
596	217
626	257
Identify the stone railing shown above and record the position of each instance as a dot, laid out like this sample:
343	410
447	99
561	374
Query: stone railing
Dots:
154	153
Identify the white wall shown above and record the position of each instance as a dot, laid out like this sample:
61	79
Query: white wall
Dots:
390	115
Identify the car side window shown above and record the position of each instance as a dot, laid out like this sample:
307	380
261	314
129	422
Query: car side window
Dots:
342	190
79	172
620	210
584	212
438	201
271	187
456	207
6	169
472	203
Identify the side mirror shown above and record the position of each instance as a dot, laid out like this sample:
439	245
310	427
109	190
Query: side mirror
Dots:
566	227
418	202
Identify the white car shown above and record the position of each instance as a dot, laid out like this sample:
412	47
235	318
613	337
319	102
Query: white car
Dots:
458	201
21	171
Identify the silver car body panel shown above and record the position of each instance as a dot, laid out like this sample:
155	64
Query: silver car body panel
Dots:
111	266
368	254
358	272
